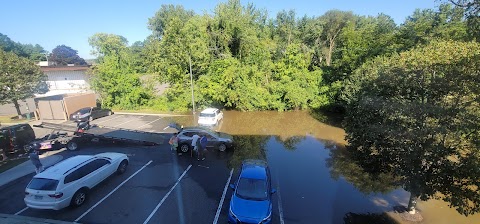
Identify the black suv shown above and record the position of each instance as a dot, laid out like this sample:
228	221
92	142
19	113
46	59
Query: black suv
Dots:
15	137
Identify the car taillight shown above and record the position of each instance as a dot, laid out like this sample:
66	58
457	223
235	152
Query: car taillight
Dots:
56	195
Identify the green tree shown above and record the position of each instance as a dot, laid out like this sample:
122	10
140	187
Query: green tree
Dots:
417	115
64	55
165	15
115	77
426	25
19	79
472	12
33	52
333	22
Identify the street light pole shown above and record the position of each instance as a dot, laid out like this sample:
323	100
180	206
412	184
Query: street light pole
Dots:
191	84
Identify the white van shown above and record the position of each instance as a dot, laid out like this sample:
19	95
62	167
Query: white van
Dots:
210	116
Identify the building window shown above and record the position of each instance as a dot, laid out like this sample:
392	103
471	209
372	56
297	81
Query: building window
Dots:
65	78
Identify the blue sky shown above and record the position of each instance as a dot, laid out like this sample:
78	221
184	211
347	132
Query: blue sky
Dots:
51	23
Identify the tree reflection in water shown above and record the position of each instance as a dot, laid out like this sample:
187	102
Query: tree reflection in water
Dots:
248	147
361	173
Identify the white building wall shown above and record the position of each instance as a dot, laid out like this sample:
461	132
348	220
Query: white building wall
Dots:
68	80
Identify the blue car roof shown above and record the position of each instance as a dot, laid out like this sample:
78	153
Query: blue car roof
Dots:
254	170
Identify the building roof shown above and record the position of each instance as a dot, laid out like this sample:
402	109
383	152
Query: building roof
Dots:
64	68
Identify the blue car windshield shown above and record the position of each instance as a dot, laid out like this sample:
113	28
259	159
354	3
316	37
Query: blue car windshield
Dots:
252	189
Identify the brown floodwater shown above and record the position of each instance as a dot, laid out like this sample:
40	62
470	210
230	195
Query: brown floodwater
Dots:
315	177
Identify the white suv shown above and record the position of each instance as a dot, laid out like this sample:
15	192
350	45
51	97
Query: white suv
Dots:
68	182
210	116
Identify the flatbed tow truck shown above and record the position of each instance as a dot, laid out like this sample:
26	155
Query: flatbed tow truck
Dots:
74	135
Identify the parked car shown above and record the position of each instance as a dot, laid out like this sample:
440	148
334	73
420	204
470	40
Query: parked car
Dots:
68	183
15	137
218	140
210	116
252	197
90	114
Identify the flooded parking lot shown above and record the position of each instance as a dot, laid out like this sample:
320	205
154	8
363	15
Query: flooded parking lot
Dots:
314	175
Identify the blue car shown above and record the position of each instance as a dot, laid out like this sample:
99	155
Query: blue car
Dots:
252	198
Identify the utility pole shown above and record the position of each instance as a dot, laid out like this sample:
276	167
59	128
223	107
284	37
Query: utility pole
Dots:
191	84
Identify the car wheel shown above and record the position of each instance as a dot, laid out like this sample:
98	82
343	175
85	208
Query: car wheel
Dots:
27	148
122	167
72	146
184	148
2	155
109	113
222	147
79	198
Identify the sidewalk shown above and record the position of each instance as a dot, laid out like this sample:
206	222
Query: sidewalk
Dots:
48	159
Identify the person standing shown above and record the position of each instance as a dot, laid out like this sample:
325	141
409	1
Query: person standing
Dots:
195	142
203	147
35	158
173	142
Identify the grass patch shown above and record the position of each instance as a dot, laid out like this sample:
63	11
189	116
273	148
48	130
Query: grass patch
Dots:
11	119
6	165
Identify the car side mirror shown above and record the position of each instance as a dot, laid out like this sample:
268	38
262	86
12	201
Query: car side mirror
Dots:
232	186
273	191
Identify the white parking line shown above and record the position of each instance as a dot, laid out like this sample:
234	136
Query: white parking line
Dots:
168	193
111	192
114	117
280	208
128	121
149	123
21	211
219	209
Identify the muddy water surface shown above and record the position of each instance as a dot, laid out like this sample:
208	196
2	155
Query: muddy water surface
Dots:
316	181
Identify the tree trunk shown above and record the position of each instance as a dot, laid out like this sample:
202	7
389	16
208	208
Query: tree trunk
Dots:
412	203
330	52
17	106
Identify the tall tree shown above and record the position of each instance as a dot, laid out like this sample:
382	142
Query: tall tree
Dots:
417	115
333	23
64	55
115	77
33	52
19	79
472	12
165	15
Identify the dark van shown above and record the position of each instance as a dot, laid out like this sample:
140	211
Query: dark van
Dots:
15	137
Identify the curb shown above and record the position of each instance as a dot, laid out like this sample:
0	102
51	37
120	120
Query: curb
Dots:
149	114
17	219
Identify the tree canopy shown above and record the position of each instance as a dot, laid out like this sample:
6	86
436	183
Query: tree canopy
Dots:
19	79
417	114
32	52
64	55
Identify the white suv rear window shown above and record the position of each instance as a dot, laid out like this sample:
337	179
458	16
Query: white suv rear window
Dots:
43	184
206	115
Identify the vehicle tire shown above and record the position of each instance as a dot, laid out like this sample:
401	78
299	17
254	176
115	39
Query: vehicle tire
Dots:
27	148
72	146
2	155
79	198
222	147
122	167
184	148
109	113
